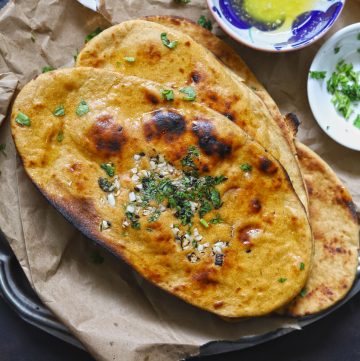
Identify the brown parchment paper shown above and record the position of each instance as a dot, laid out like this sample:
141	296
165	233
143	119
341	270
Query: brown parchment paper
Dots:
111	310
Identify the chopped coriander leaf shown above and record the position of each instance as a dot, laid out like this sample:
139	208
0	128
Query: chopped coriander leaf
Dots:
46	69
96	257
75	55
337	49
342	103
246	167
190	93
82	108
88	37
155	216
358	36
317	74
169	44
303	292
109	168
167	94
23	119
282	280
183	1
129	59
357	121
302	266
2	148
105	184
205	23
205	207
216	220
204	223
59	111
133	219
60	136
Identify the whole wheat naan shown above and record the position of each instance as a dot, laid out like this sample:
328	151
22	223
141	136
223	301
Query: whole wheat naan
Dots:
336	253
94	141
189	64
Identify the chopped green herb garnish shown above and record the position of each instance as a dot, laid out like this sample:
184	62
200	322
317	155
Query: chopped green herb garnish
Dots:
216	220
155	216
282	280
82	108
357	121
60	136
133	219
246	167
205	23
59	111
190	93
302	266
337	49
167	94
88	37
358	36
23	119
169	44
96	257
2	148
204	223
303	292
105	184
109	168
183	1
46	69
75	55
317	74
129	59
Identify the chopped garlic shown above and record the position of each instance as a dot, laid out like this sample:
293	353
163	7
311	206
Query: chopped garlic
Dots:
111	199
132	197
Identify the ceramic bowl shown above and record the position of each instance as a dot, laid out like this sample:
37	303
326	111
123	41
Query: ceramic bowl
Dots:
342	46
304	30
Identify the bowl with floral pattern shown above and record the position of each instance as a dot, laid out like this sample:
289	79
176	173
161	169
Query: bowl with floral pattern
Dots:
276	25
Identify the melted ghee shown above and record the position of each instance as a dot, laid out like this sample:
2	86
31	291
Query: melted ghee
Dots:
277	11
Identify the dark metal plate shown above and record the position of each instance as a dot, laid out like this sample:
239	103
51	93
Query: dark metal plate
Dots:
17	292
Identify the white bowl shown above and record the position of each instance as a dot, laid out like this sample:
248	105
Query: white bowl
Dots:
330	120
307	28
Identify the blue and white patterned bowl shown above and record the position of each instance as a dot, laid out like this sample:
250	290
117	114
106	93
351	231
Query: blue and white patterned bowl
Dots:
305	29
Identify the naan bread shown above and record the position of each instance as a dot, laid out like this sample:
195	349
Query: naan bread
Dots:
336	252
89	138
335	227
190	64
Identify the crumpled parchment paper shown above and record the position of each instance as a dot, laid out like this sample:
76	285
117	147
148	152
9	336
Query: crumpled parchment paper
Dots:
114	312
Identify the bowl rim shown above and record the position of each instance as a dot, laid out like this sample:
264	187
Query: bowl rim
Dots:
333	39
287	49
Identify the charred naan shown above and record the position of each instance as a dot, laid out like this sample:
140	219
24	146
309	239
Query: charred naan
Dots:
335	227
174	59
185	197
336	248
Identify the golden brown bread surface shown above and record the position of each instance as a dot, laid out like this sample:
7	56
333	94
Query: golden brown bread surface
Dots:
265	235
190	64
335	227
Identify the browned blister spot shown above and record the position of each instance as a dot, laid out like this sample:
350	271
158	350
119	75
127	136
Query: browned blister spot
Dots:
106	135
151	97
195	76
164	123
245	234
150	52
346	202
205	278
218	304
267	166
255	205
229	116
187	43
293	122
208	139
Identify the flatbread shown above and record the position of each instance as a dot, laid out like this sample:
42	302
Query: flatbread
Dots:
191	64
335	227
336	254
68	124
